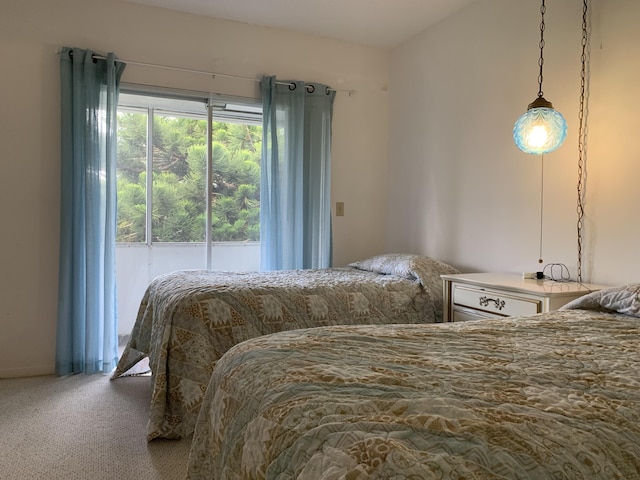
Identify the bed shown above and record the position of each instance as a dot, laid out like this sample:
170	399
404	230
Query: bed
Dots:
550	396
188	319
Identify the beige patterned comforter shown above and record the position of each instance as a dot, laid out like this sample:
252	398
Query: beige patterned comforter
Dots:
552	396
189	319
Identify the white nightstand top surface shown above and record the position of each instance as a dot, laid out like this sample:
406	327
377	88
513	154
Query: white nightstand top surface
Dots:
515	283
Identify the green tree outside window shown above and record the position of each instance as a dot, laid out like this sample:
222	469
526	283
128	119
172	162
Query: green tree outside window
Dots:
179	179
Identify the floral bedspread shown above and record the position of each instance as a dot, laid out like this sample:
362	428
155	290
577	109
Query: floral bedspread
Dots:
189	319
555	395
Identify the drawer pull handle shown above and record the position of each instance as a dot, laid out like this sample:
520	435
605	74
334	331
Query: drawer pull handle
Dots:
499	304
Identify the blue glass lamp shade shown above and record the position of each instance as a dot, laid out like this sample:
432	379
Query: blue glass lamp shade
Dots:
541	129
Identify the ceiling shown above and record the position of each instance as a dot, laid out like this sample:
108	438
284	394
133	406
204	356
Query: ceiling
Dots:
376	23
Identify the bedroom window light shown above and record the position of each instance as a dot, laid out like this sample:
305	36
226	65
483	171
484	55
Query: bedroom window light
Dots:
162	171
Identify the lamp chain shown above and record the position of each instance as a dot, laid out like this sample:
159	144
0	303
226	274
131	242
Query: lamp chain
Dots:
543	9
582	141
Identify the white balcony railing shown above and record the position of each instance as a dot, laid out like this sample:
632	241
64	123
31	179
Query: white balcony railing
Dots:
138	264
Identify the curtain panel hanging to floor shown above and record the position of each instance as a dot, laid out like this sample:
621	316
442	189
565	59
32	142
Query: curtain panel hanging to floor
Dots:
87	333
295	189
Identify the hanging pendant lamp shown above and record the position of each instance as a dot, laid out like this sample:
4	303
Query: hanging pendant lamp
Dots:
541	129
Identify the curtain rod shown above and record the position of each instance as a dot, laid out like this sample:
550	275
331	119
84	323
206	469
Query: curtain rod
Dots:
202	72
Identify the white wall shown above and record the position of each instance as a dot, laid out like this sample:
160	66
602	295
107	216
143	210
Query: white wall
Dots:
31	32
461	191
613	203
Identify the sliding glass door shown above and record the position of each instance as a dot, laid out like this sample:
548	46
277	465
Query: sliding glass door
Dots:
188	189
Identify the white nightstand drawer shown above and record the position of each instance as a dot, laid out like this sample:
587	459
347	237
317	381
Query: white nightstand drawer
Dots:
467	314
495	302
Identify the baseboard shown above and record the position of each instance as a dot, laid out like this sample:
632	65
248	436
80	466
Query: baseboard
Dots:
33	371
39	370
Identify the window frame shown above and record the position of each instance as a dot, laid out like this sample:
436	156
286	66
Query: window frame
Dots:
152	100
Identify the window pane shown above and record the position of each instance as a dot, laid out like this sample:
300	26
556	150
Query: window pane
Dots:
236	182
178	208
131	174
179	176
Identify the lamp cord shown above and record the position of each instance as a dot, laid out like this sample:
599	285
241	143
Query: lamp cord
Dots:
543	9
541	204
582	142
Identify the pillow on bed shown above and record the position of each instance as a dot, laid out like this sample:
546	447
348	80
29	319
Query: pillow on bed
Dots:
621	299
414	267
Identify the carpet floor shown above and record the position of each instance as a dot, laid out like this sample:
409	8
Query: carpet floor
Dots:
83	427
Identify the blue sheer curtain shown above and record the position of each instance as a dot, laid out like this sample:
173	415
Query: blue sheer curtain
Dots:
295	189
87	333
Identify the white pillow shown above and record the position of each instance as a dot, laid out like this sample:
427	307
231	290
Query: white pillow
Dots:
414	267
621	299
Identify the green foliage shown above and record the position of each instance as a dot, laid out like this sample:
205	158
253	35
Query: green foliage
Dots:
180	176
132	145
131	210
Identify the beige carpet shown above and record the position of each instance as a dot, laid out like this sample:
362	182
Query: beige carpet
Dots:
82	427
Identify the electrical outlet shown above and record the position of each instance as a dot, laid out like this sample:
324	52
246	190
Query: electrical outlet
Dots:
339	209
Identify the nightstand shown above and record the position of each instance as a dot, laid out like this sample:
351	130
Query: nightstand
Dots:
472	296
